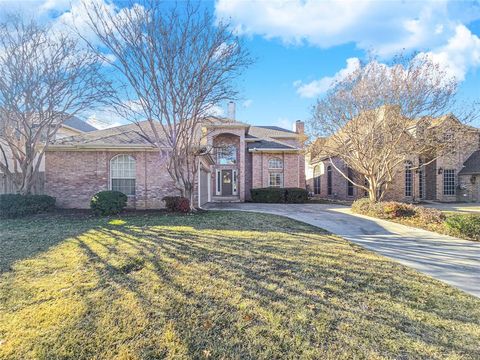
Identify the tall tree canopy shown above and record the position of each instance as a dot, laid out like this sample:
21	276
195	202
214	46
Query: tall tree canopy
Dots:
175	63
379	116
45	78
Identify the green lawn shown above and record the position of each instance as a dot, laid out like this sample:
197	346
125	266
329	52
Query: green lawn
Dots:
220	286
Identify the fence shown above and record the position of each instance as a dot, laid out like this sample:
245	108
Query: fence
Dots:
7	186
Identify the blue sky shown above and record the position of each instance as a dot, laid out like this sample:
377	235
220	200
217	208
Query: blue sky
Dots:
301	46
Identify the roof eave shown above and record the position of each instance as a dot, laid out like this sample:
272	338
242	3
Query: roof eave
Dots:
101	147
272	150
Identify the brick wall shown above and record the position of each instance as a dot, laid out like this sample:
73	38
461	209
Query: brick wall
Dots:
433	188
293	169
73	177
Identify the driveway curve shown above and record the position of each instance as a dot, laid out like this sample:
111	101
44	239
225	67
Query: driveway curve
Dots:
454	261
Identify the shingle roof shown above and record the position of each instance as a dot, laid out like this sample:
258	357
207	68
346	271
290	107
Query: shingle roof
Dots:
131	134
270	131
139	134
268	144
78	124
472	165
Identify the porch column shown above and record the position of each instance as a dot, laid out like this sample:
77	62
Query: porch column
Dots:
242	168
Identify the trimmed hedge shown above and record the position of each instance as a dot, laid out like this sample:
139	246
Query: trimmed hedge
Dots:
296	195
15	205
108	202
465	224
177	204
279	195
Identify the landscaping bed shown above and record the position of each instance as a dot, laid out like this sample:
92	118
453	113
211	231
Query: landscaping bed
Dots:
466	226
231	285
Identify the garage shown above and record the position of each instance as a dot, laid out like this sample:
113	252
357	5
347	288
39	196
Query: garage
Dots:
204	186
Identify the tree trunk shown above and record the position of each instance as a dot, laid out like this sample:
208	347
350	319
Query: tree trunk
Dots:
374	190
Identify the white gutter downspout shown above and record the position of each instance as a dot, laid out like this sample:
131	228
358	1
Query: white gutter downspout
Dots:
199	185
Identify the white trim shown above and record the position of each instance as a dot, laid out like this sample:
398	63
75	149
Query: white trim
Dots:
209	187
273	150
199	183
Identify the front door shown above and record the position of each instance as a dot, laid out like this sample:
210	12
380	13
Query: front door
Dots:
227	182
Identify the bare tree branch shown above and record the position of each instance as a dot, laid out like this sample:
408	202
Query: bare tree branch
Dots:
381	115
175	63
45	78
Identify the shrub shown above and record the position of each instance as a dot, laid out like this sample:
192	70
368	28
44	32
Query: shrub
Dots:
268	195
177	204
465	224
183	205
108	202
392	210
296	195
15	205
362	206
429	216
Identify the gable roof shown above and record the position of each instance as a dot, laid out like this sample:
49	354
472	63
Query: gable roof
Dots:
131	135
472	165
77	124
268	145
271	132
138	135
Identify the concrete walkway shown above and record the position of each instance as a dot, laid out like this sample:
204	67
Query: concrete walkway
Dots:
452	260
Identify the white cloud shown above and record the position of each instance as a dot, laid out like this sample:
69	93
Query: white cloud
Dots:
461	53
384	27
320	86
101	124
285	123
247	103
216	110
105	118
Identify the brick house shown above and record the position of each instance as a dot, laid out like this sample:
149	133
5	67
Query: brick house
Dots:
242	157
453	177
71	127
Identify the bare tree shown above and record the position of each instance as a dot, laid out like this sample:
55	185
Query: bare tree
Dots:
45	78
176	63
380	116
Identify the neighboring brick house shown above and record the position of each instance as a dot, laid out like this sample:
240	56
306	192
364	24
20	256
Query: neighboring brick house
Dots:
71	127
242	157
451	177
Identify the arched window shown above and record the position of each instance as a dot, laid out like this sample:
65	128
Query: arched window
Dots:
316	180
275	163
408	178
122	174
227	155
329	180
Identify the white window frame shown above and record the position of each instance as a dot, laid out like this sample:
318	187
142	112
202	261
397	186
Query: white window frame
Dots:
408	179
270	179
128	174
451	183
277	163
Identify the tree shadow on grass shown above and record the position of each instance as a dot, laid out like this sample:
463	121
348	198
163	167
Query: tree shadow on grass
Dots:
255	286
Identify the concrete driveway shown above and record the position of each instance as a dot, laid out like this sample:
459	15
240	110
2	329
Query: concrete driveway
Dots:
452	260
473	208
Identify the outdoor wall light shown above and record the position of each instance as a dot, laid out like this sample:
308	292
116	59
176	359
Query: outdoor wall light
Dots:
440	171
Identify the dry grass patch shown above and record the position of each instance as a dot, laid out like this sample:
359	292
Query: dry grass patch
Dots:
230	285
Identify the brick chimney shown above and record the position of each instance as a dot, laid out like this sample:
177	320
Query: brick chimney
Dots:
231	110
300	127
